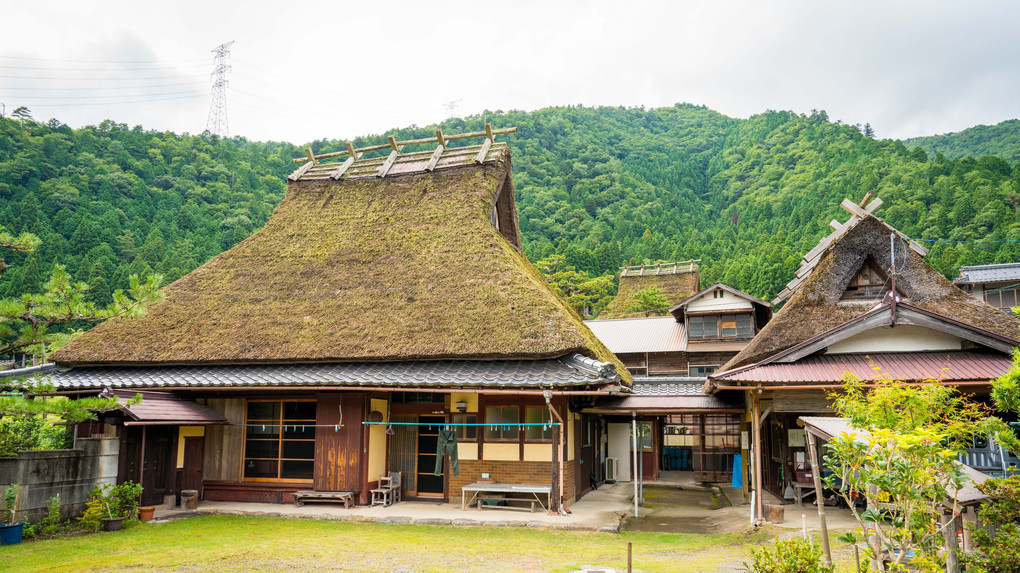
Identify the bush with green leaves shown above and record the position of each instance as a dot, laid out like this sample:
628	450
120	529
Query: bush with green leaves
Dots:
110	501
997	542
788	556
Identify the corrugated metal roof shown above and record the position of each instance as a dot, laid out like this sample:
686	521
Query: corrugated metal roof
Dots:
573	370
646	334
832	368
829	427
166	409
979	274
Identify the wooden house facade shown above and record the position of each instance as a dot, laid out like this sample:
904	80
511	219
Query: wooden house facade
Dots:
864	303
383	311
670	357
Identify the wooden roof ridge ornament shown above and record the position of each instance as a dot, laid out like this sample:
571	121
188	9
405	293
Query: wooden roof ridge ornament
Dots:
392	157
438	152
353	156
353	167
660	268
858	212
311	162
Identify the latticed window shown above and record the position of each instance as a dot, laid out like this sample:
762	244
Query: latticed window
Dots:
503	423
712	326
869	282
279	441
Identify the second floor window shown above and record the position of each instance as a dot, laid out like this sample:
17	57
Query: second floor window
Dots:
716	326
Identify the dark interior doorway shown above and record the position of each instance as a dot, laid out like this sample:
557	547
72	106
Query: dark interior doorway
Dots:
429	485
192	472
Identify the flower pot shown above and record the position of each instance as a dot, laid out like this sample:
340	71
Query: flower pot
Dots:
113	524
11	534
145	513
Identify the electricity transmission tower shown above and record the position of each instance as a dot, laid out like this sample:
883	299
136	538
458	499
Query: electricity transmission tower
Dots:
217	122
452	107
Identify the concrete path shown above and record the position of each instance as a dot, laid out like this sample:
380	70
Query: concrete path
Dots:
598	511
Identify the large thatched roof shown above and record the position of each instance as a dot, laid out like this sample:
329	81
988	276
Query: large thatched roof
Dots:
676	281
403	267
816	304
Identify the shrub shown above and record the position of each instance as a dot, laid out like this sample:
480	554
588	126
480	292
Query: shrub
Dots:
110	501
788	556
996	546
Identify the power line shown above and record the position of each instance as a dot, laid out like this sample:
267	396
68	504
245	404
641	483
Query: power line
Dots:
36	59
188	92
47	105
138	87
964	242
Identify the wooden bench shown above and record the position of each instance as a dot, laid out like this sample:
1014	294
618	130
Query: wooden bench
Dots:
483	499
347	497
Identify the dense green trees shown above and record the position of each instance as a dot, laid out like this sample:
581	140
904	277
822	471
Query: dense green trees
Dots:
601	187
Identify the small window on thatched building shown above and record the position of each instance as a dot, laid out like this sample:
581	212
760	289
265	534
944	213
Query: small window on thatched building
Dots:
715	326
869	282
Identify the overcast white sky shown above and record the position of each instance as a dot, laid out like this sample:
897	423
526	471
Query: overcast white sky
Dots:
309	70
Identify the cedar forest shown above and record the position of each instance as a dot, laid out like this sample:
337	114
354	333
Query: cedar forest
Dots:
597	188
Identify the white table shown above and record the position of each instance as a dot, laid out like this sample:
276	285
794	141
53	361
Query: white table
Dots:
504	488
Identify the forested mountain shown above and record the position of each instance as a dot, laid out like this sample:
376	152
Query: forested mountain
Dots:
1001	140
600	186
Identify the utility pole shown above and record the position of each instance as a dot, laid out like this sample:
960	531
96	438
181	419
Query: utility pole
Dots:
452	107
217	122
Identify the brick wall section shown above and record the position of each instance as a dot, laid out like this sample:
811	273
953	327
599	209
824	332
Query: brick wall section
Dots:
532	473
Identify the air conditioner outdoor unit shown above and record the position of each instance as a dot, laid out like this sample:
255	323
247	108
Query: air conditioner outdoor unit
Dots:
612	467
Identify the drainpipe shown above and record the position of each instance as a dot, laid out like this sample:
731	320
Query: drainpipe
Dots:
559	451
633	416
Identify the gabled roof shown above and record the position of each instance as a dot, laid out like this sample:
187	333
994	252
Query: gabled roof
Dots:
677	310
980	274
676	281
381	269
815	306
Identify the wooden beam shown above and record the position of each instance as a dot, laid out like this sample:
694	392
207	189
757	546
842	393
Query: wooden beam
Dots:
488	132
867	197
339	173
483	153
301	171
311	156
388	163
440	138
435	157
835	225
393	143
350	150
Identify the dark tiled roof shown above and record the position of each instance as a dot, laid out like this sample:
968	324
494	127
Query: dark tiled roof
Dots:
832	368
979	274
572	370
647	388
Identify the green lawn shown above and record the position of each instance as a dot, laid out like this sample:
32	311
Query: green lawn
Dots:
228	543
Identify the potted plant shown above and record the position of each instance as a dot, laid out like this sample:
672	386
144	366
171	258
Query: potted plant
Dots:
10	530
146	513
112	523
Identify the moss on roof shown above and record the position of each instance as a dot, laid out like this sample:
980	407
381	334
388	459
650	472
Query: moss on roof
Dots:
815	307
398	268
676	287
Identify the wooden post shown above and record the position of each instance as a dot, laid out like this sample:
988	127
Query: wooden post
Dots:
952	543
756	430
819	500
554	506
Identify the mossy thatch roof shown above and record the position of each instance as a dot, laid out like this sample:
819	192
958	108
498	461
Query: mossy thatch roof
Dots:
390	269
816	306
680	283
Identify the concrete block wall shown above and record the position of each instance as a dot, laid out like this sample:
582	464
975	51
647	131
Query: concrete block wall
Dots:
71	474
